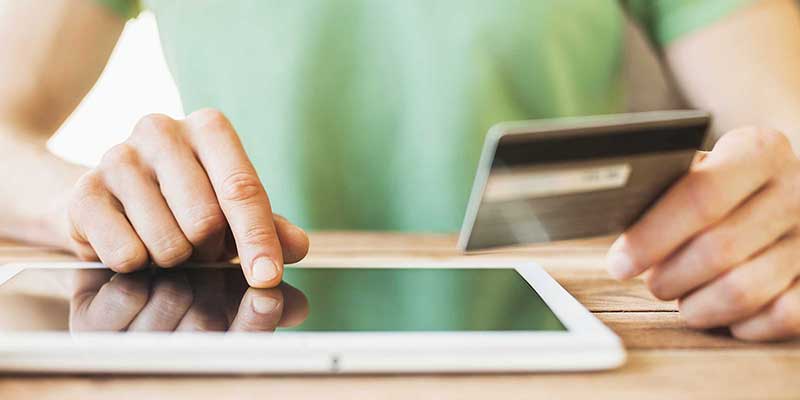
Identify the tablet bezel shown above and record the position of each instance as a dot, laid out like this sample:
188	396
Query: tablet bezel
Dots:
586	344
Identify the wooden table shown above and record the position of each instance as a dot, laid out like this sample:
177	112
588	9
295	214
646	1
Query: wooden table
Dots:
666	360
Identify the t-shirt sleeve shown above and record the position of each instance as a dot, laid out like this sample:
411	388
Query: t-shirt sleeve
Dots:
667	20
123	8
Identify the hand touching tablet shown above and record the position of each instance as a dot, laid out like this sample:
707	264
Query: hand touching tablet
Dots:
171	192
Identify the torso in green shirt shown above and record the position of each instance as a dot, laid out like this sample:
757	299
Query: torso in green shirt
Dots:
370	114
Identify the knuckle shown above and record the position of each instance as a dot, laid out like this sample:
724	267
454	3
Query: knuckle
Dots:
258	234
770	140
738	136
206	223
736	293
769	146
87	191
82	204
157	136
713	250
210	118
241	186
703	190
121	155
171	251
775	147
89	183
126	258
154	124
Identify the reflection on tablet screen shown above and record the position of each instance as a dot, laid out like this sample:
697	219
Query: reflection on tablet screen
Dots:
310	299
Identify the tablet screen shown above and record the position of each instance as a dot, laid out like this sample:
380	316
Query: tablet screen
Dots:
310	299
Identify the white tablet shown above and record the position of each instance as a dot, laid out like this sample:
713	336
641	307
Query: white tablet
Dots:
434	316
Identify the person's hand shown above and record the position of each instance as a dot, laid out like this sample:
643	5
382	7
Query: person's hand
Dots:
725	239
177	190
191	299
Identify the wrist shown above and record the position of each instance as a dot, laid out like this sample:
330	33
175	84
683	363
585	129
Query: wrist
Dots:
33	204
41	222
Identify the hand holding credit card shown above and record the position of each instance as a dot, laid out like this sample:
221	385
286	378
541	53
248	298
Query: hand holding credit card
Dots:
570	178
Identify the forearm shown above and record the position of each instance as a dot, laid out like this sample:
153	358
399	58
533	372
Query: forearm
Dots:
51	53
34	186
745	69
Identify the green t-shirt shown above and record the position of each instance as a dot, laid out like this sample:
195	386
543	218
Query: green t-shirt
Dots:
370	114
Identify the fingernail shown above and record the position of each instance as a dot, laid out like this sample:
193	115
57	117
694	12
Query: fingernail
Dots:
620	264
264	305
264	270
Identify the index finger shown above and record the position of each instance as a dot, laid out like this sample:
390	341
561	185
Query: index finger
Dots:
241	196
741	163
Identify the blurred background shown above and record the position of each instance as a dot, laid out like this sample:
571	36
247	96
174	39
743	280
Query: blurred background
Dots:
136	82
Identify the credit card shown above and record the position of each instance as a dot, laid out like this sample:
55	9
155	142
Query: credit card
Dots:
569	178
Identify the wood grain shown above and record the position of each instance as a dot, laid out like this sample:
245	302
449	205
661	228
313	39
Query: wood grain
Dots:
666	359
654	374
667	330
